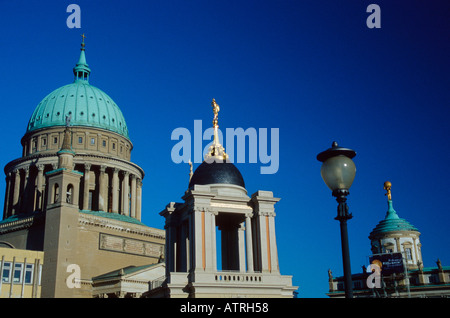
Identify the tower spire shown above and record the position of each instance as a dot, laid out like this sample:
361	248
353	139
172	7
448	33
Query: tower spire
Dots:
82	70
216	151
391	213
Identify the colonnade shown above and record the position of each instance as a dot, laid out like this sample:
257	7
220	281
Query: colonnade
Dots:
248	241
102	188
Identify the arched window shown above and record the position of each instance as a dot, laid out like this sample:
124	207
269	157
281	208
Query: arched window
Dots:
55	193
69	194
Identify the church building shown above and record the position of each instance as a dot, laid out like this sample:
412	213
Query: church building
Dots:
72	214
75	195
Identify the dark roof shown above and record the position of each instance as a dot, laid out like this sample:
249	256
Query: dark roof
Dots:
217	172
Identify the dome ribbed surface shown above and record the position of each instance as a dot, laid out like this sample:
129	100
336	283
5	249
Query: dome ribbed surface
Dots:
87	105
392	223
217	173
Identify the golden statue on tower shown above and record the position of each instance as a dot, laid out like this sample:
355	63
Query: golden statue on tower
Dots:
216	110
387	187
216	150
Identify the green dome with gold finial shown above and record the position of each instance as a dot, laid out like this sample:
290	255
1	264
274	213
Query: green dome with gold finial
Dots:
84	104
392	222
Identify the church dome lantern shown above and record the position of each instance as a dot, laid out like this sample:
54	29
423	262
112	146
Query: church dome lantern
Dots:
216	168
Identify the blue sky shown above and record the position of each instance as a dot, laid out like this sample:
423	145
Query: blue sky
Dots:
313	69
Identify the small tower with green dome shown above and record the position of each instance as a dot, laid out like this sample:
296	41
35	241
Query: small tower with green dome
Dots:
394	234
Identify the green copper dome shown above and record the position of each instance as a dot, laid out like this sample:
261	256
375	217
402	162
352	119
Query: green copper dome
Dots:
83	103
392	223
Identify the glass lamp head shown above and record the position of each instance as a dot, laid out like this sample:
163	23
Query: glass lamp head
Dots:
338	172
338	169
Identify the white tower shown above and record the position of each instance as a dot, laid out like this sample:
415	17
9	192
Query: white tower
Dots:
216	207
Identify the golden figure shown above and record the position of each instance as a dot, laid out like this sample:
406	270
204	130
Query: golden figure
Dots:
191	170
216	110
216	150
387	187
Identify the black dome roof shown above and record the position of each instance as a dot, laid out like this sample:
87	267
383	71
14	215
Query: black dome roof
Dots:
217	172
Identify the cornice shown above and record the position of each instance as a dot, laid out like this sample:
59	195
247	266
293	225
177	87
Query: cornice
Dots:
19	224
33	158
120	226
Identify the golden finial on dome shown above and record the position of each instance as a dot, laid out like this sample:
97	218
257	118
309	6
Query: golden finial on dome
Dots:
216	110
387	187
82	42
216	150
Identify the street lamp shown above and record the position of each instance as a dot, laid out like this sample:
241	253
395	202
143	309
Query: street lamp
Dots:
338	171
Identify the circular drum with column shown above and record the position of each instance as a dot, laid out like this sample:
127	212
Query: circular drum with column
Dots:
100	139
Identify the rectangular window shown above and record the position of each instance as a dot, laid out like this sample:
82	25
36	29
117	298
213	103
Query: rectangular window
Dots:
6	273
114	145
18	268
29	273
44	141
104	143
55	140
408	254
80	140
92	141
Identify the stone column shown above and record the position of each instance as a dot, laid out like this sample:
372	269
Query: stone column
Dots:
25	202
133	196
248	233
125	193
169	253
262	244
263	204
39	187
210	240
102	193
241	246
273	243
7	194
397	244
199	257
87	169
170	247
138	199
16	194
213	240
115	191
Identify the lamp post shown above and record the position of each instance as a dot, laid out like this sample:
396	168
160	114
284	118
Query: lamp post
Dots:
338	171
